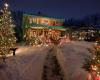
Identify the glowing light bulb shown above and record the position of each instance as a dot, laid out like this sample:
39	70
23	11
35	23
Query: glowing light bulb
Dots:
94	67
6	5
98	74
1	10
99	61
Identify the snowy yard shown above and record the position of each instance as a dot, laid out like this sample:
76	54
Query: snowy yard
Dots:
71	57
29	61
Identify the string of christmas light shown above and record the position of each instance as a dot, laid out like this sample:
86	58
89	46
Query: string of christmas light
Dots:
93	63
7	37
96	61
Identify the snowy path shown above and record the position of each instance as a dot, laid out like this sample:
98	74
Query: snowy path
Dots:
27	66
71	56
29	61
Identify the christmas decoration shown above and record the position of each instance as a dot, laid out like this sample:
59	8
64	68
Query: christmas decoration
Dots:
92	65
33	41
7	37
55	38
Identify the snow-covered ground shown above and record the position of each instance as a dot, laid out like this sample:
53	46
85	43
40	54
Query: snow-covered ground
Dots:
29	61
26	65
71	57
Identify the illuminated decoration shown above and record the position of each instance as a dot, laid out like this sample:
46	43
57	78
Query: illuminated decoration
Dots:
42	29
7	37
38	19
6	5
93	64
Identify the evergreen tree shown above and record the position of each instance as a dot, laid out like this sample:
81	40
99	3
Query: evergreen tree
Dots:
7	37
93	63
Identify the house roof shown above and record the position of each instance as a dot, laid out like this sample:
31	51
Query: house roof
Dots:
44	26
43	16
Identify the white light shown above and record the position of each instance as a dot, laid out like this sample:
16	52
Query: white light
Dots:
38	45
46	45
6	4
1	10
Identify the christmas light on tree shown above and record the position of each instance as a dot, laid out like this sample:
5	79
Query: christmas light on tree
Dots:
93	63
7	37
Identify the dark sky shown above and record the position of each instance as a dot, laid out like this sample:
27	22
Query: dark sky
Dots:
58	8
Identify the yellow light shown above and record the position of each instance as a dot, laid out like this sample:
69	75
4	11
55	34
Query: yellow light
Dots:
98	74
99	61
94	68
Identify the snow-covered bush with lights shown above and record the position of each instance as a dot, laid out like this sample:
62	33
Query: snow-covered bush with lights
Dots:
92	64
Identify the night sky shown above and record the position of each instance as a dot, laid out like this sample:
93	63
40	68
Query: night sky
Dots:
57	8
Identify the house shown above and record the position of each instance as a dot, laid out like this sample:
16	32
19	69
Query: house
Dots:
40	29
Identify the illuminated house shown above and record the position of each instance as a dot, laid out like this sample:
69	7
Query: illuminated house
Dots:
42	29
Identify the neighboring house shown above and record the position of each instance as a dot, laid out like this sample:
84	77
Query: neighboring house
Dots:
90	33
